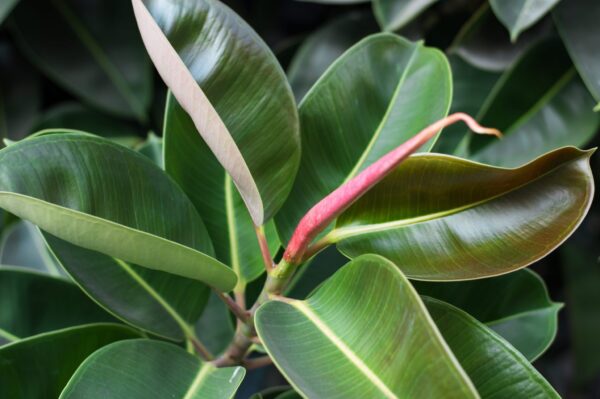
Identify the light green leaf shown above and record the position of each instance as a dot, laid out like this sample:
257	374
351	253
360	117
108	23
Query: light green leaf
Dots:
525	316
144	369
443	218
231	85
577	22
78	117
40	366
23	245
378	94
324	46
106	68
495	367
394	14
518	15
17	81
153	149
72	186
352	339
554	111
34	303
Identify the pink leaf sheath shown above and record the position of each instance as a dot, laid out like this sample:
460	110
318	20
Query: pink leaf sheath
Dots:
330	207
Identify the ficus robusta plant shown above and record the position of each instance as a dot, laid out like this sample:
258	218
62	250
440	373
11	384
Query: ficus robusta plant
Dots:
222	220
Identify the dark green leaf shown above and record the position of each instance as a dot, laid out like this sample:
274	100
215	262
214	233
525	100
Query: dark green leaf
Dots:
577	22
34	303
495	367
259	145
324	46
70	42
144	369
444	218
518	15
40	366
72	185
378	94
215	328
364	340
153	149
516	306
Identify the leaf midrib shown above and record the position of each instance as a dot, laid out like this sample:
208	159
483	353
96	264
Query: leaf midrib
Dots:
199	380
342	233
343	348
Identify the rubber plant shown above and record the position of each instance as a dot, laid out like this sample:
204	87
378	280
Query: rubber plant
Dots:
254	188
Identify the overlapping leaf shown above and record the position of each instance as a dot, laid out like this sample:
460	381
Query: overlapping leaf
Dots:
516	306
394	14
379	93
69	41
518	15
577	22
40	366
444	218
144	369
352	339
495	367
242	105
34	303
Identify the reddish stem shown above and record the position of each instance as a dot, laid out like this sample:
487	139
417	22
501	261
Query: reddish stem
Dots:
264	248
330	207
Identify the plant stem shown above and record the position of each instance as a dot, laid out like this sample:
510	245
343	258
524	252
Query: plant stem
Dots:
256	363
264	248
238	311
200	348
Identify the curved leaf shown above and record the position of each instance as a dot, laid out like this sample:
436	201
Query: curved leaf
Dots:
444	218
78	117
106	68
17	81
40	366
242	105
379	93
324	46
518	15
363	340
5	8
153	148
34	303
23	245
147	369
496	368
72	185
189	161
525	317
577	22
554	111
215	327
394	14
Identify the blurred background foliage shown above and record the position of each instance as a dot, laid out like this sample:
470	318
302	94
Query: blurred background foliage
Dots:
80	64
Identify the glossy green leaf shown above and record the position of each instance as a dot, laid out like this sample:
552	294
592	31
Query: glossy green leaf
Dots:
525	317
23	245
79	117
5	8
191	164
554	111
259	144
17	81
34	303
352	339
144	369
106	68
40	366
381	92
483	41
215	327
324	46
394	14
495	367
56	180
577	22
518	15
443	218
470	87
